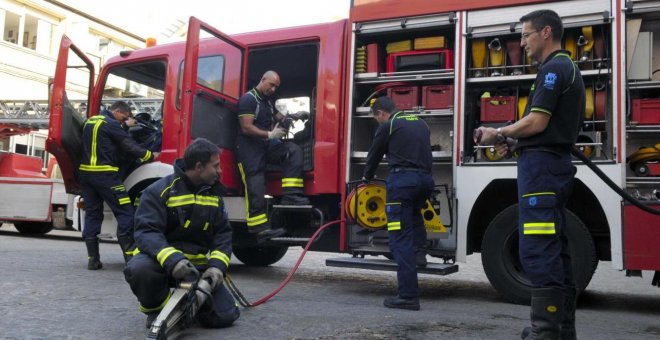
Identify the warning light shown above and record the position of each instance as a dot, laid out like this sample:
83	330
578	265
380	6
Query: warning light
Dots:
150	42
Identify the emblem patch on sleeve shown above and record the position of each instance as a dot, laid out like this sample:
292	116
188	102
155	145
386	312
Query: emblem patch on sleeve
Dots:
550	80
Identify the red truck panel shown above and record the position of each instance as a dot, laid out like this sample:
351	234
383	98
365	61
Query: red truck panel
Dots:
641	238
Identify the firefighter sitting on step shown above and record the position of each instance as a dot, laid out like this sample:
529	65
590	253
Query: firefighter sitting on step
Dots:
181	219
103	141
257	144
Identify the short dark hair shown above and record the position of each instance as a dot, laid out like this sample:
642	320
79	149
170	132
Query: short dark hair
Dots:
383	103
121	106
200	150
545	17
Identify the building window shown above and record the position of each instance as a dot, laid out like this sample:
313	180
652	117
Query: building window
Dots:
28	31
11	27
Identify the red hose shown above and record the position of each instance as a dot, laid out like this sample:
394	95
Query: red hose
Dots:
293	270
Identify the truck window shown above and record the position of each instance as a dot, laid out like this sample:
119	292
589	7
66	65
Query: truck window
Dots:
295	106
210	73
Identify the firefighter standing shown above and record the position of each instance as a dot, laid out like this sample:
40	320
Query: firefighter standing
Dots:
406	140
257	144
180	219
545	134
103	140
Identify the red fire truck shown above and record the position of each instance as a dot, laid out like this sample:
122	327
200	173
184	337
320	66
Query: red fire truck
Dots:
457	64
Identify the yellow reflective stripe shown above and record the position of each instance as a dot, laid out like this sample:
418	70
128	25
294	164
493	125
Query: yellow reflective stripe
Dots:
162	193
146	156
124	200
165	253
247	114
206	226
218	255
136	202
97	125
208	200
539	228
132	252
155	309
292	182
257	220
175	201
538	193
393	226
86	167
118	187
197	259
186	225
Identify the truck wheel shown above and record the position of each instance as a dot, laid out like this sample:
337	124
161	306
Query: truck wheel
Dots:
260	256
33	228
501	262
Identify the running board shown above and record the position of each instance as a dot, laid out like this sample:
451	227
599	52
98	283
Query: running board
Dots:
290	241
381	264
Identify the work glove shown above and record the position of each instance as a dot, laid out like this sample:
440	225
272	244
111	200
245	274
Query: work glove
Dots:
184	270
214	275
276	133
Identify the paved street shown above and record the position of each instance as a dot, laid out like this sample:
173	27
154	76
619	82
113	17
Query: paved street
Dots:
47	293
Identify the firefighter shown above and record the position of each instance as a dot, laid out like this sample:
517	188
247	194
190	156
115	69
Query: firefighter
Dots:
103	140
545	135
259	143
406	140
182	228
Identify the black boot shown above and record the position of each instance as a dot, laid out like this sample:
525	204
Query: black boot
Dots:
128	246
294	199
546	314
93	257
568	321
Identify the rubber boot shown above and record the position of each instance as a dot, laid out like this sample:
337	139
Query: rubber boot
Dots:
93	257
546	314
568	321
128	246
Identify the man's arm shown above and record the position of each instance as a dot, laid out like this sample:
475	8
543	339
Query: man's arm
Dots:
222	239
150	227
128	144
377	150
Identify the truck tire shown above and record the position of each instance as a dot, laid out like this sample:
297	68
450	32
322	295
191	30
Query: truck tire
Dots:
501	262
33	228
260	256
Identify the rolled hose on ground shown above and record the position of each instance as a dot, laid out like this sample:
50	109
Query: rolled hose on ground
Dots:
243	301
575	152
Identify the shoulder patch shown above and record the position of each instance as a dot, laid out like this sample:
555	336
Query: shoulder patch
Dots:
550	80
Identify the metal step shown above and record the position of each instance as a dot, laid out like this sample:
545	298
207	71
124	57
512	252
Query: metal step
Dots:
292	241
292	207
381	264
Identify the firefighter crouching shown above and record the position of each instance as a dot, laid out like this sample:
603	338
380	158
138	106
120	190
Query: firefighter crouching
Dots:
407	142
180	219
257	144
103	141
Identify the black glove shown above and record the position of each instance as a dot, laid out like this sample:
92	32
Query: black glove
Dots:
184	270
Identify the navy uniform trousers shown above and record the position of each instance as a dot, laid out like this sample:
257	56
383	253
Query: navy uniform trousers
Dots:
151	284
109	188
545	182
407	192
253	155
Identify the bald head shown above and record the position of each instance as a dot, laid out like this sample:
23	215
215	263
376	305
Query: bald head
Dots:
270	81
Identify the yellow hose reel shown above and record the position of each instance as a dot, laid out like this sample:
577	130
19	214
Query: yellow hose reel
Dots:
366	205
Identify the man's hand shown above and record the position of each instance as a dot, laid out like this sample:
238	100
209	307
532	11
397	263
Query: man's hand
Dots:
485	135
505	147
277	133
214	275
184	270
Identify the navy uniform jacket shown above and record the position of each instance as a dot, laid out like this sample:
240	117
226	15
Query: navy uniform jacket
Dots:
407	141
558	91
258	106
176	220
102	141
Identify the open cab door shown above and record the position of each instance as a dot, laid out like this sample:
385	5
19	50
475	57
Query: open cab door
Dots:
74	80
213	81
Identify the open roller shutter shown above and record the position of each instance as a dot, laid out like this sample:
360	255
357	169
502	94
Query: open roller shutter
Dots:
505	20
406	23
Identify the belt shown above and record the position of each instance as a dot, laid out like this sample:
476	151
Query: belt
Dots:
402	169
556	149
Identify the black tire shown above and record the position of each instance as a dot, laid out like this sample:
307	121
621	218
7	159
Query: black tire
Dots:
260	256
33	228
641	170
499	255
